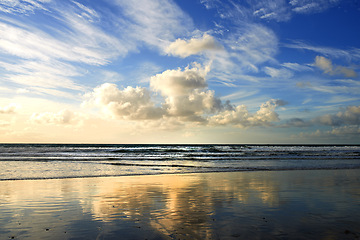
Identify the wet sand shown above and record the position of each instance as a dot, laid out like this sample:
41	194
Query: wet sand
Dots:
311	204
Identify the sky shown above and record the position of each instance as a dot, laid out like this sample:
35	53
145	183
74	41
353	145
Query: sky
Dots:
180	71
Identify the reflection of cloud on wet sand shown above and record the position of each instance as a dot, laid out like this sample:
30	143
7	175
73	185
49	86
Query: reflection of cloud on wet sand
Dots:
247	205
180	205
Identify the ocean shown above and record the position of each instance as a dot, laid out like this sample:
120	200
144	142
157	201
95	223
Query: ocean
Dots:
50	161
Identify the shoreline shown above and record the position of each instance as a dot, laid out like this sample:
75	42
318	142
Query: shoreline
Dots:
183	173
223	205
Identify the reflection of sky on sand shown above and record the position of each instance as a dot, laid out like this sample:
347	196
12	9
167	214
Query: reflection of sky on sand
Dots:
288	204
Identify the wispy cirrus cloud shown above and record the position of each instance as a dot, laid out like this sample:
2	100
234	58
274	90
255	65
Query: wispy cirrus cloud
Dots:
87	12
38	59
278	73
23	6
351	54
298	67
347	87
252	44
53	56
311	6
155	23
268	10
277	10
86	43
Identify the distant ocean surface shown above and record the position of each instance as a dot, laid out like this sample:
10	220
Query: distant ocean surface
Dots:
47	161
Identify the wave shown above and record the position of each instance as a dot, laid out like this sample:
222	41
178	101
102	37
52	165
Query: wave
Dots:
46	161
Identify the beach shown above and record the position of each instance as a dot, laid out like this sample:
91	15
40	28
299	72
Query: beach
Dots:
296	204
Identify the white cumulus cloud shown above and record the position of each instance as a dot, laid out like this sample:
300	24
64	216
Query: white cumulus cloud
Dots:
185	92
185	98
129	103
241	117
193	46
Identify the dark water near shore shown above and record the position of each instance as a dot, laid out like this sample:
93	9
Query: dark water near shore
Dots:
46	161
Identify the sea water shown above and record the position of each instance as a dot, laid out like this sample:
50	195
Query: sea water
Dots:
47	161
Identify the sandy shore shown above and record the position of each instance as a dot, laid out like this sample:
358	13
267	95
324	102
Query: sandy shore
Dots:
313	204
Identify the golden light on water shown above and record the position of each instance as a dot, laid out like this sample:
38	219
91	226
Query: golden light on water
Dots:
191	206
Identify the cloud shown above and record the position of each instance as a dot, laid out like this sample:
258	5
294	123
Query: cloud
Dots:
311	6
51	59
54	76
252	44
52	53
347	117
193	46
328	68
178	82
86	12
269	10
324	64
350	133
350	116
346	131
22	91
277	10
43	91
43	79
129	103
9	109
23	6
4	124
185	93
240	94
352	54
297	67
154	22
63	117
209	3
30	67
242	118
86	44
296	122
278	73
332	87
184	97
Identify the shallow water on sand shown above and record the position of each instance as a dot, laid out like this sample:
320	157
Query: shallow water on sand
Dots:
311	204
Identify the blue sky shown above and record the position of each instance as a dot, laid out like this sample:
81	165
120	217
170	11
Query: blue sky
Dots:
180	71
